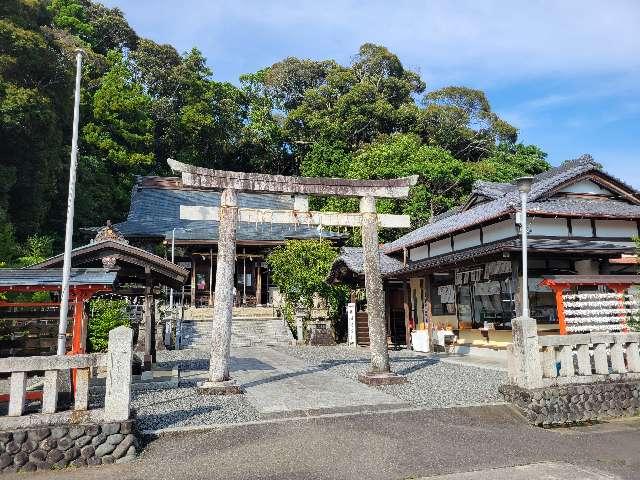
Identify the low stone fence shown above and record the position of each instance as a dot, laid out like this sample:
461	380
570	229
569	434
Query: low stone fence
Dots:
564	379
49	438
588	358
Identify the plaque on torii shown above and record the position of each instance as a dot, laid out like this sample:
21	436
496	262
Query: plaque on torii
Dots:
228	215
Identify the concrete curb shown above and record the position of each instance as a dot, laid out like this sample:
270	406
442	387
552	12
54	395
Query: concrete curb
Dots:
312	416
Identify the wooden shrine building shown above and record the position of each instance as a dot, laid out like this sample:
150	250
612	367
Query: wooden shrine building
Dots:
138	274
154	218
30	327
462	270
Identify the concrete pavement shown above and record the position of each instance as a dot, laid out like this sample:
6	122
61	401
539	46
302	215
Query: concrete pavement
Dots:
396	445
280	385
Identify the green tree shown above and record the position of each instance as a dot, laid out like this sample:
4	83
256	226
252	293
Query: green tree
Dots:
108	29
443	182
8	246
34	89
36	249
71	15
460	120
105	316
122	128
299	269
509	161
264	141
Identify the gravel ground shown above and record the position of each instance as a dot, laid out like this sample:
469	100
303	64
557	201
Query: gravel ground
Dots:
432	383
183	406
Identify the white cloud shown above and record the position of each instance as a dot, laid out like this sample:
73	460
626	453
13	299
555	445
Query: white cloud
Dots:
496	40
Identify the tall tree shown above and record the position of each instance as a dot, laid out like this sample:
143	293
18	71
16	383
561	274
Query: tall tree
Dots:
122	128
34	87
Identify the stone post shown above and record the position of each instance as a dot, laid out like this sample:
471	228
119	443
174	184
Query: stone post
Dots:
149	322
380	372
117	398
299	316
525	366
219	379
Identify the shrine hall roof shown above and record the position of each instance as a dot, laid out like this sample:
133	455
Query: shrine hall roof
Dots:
52	277
496	200
155	212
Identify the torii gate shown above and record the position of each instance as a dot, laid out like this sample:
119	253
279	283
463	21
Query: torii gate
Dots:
228	214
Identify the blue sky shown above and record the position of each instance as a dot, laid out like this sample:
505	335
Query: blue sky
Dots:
566	73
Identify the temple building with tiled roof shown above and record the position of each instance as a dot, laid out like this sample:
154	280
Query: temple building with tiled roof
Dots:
462	270
154	218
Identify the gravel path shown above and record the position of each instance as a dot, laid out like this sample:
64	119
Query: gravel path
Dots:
432	383
183	406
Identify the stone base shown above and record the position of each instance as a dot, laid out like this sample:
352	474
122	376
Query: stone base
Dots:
386	378
575	403
229	387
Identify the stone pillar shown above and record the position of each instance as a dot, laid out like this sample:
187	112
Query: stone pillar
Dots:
223	306
299	315
149	322
525	366
380	372
160	326
258	273
117	398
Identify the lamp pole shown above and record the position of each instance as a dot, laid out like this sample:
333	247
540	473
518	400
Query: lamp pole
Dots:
68	237
173	256
524	187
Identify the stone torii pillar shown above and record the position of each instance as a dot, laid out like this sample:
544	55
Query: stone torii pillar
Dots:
229	213
219	379
380	373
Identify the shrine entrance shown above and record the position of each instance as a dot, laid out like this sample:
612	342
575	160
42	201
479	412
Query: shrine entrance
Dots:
229	214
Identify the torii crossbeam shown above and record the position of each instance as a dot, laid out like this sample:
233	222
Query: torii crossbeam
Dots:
228	214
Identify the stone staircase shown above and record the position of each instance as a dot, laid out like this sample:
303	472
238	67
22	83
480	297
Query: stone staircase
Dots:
245	332
206	313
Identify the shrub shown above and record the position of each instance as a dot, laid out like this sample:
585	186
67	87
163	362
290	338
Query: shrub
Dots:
105	315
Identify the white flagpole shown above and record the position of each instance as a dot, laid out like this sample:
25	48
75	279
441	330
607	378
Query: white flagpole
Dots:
68	237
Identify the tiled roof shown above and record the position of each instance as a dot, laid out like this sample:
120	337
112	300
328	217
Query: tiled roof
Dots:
503	205
52	277
591	208
548	245
351	262
163	270
490	189
352	257
155	212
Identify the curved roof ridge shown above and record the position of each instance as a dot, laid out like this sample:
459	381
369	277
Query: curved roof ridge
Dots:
503	204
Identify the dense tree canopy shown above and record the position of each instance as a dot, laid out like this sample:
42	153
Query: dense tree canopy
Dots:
143	102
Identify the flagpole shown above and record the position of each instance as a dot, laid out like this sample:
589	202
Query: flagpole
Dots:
68	237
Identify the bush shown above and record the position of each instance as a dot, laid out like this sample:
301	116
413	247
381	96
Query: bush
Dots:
105	316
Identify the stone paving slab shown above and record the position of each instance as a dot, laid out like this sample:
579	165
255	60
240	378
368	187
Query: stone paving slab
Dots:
539	471
277	384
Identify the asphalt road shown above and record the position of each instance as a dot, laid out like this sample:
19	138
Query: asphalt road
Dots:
398	445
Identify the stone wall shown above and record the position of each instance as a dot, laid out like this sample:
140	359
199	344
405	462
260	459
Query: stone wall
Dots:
575	403
56	447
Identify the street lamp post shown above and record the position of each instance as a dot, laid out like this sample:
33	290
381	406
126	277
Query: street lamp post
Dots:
524	187
173	257
68	236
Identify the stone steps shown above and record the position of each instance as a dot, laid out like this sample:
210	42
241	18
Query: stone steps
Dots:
206	313
244	333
